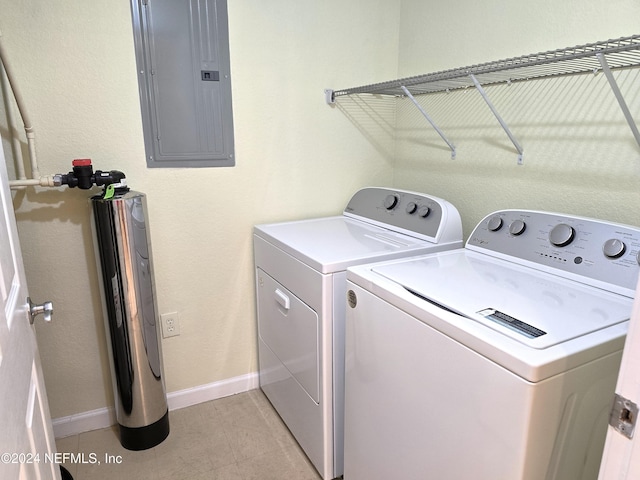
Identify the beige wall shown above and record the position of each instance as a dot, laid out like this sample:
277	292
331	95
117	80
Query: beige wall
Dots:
296	157
580	156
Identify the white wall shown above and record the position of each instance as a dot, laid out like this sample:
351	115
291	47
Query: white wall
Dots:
296	157
580	156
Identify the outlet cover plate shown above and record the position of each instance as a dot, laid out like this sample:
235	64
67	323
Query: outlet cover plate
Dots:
170	324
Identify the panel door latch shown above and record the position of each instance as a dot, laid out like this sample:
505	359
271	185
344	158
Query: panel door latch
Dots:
623	416
210	75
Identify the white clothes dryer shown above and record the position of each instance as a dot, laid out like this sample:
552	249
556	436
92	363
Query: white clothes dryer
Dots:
497	361
301	285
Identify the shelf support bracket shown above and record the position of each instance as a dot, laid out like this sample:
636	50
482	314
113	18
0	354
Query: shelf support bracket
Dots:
498	117
430	120
616	91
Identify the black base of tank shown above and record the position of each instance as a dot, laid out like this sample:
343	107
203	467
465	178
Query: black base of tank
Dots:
64	473
141	438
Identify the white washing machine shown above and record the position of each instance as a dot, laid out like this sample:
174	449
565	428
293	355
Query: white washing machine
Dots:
497	361
301	284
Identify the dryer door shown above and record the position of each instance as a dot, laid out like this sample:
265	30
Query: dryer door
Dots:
290	329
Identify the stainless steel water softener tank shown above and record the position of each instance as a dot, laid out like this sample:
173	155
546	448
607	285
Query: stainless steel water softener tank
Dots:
131	321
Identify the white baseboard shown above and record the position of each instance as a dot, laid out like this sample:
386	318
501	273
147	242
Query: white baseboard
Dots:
212	391
83	422
105	417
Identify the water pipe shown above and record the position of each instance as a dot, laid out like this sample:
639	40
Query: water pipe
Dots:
82	175
11	119
36	179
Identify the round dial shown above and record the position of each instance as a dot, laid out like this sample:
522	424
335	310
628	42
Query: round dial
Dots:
390	202
562	235
517	227
614	248
495	223
424	211
411	208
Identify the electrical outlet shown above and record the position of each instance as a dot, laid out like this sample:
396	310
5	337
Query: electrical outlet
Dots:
170	324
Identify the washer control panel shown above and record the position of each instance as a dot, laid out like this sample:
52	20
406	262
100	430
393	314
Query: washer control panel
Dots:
589	248
409	212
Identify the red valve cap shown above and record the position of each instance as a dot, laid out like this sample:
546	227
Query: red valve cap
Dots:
81	162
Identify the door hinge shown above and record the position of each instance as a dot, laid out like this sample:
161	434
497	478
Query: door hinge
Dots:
623	415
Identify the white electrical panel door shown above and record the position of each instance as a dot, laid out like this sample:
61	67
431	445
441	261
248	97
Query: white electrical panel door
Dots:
182	53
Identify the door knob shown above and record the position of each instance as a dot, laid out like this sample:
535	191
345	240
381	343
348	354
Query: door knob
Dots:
46	308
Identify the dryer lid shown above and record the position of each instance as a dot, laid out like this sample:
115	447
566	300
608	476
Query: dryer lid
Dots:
532	307
332	244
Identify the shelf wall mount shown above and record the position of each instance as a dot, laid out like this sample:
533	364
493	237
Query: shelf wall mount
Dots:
329	97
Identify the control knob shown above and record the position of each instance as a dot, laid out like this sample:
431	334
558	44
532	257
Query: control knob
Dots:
390	202
517	227
614	248
562	235
411	208
424	211
494	224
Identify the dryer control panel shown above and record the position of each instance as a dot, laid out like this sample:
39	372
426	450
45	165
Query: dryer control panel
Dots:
593	251
412	213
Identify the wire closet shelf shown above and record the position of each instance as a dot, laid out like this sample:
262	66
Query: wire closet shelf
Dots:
619	53
596	57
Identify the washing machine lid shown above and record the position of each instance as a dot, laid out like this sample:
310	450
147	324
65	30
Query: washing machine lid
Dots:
332	244
535	308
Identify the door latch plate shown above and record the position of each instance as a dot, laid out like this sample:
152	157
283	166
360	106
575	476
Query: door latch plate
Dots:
623	416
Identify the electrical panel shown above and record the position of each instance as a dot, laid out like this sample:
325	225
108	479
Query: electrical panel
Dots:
182	53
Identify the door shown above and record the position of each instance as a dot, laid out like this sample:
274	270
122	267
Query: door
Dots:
27	445
621	458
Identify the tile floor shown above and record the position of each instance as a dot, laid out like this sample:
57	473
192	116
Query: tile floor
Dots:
240	437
